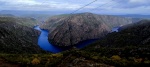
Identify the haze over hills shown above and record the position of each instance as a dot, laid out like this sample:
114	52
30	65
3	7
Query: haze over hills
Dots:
136	16
52	13
44	15
67	30
23	12
39	15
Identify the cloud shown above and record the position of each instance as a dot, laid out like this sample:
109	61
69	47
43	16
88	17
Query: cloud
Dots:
137	10
38	5
133	3
18	2
139	1
104	6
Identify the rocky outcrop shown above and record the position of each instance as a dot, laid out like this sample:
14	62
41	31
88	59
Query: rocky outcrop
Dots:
16	37
71	29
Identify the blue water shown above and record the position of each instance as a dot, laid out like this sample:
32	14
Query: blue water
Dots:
85	43
115	29
45	45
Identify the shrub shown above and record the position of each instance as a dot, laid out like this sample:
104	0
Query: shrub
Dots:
95	57
147	62
35	61
26	61
57	55
116	57
138	60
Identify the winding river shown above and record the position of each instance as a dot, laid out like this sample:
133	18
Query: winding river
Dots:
45	45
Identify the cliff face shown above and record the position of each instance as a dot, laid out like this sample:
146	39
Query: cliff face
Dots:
16	36
69	30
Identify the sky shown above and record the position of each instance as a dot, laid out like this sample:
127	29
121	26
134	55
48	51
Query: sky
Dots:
98	6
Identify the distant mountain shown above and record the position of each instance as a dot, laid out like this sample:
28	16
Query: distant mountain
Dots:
19	12
67	30
135	16
6	15
142	22
39	15
24	12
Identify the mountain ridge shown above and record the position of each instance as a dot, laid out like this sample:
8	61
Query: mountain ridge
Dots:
79	27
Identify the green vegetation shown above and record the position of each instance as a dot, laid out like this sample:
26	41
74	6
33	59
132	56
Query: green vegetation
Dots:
31	59
74	58
127	48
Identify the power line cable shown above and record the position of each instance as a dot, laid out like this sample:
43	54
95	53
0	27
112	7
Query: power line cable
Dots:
72	14
43	2
108	5
80	8
83	6
103	4
77	9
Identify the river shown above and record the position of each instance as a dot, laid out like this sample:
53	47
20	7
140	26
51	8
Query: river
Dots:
47	46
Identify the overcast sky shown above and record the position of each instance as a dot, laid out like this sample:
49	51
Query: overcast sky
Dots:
100	6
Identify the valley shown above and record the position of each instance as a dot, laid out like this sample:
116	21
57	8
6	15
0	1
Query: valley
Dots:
69	30
82	39
74	33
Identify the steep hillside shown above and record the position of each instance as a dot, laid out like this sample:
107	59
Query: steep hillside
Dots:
66	30
136	34
18	36
127	47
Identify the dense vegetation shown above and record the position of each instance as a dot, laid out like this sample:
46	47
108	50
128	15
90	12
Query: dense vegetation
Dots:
68	58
